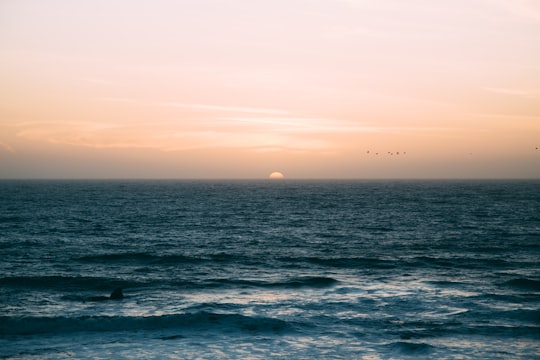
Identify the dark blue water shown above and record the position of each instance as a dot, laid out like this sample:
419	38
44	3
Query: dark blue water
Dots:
270	269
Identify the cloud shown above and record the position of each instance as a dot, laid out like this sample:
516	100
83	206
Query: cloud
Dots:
525	9
96	81
301	124
202	107
344	32
368	4
118	100
6	147
252	140
240	109
166	135
513	92
508	120
205	126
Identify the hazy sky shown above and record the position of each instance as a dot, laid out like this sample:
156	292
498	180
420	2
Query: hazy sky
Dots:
242	88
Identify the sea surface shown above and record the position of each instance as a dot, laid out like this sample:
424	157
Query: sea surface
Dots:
270	269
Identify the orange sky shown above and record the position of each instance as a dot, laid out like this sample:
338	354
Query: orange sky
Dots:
242	88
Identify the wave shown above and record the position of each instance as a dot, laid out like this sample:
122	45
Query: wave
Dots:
504	331
515	298
12	218
455	328
143	258
344	262
455	262
298	282
532	316
137	257
189	321
293	283
523	284
66	282
445	283
308	281
410	348
88	283
385	263
373	263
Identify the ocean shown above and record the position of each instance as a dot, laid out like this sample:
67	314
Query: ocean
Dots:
270	269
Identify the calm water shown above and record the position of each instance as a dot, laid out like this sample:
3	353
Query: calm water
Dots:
270	269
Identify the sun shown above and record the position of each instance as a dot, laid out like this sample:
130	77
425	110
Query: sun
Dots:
276	175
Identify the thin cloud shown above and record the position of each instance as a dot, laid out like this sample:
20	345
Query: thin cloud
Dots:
203	107
507	120
260	132
164	136
368	4
513	92
97	81
240	109
525	9
254	140
505	116
74	125
6	147
118	100
319	148
344	32
308	125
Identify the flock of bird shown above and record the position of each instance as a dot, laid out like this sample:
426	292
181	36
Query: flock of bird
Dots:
388	153
368	152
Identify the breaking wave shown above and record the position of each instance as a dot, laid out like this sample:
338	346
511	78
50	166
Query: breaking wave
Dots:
189	321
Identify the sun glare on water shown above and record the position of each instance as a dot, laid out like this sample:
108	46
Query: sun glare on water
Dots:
276	175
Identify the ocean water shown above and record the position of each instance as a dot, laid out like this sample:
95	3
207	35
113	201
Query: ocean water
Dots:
270	269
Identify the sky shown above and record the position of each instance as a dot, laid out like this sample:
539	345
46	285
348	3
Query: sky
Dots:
234	89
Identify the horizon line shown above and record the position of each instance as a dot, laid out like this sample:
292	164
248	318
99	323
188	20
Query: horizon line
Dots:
272	180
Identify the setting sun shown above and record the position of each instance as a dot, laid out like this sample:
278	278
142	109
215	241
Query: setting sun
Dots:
276	175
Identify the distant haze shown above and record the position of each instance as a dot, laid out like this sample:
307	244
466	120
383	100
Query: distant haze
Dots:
243	88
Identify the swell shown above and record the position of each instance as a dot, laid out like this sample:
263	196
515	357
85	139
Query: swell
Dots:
136	257
387	262
456	262
143	258
344	262
425	330
523	284
190	321
383	262
293	283
84	283
223	283
65	282
411	348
